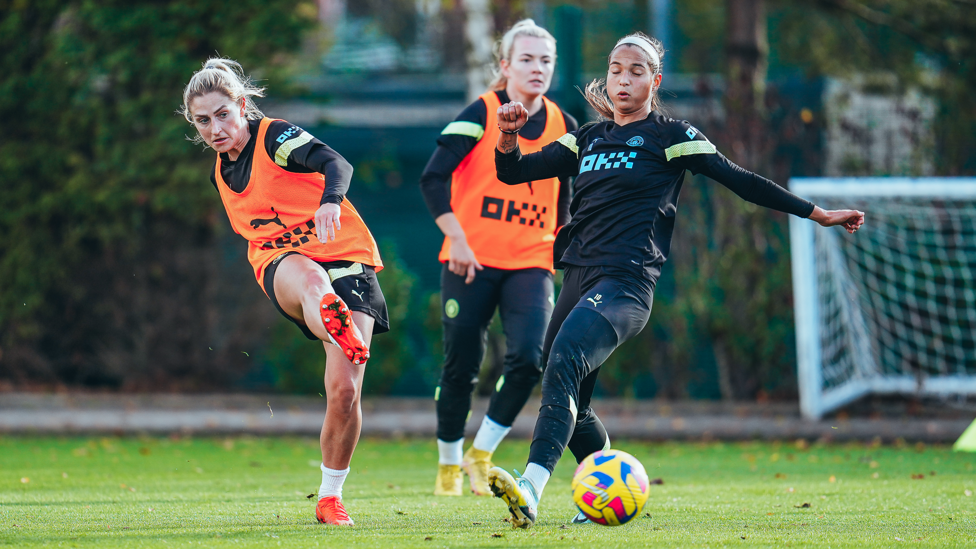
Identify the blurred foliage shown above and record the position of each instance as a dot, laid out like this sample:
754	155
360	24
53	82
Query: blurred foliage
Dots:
107	215
115	269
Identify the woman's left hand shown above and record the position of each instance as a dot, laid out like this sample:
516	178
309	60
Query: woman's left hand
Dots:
850	219
327	222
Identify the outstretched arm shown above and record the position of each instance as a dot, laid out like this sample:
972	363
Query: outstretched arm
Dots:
554	160
763	192
687	148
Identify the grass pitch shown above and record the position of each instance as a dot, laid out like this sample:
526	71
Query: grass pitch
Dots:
251	492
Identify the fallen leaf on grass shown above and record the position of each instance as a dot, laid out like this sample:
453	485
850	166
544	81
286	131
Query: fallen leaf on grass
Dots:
563	527
919	476
931	473
742	537
24	480
968	493
779	475
805	505
832	479
497	535
310	496
428	538
647	515
875	475
475	523
657	481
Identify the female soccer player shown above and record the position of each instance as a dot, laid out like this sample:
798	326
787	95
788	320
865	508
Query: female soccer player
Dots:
497	253
629	170
311	252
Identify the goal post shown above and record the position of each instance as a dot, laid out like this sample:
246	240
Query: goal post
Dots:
892	308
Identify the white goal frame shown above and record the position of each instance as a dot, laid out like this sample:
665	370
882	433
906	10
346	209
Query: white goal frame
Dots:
815	401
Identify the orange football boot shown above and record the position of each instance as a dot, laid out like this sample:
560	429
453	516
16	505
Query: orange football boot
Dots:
331	511
344	332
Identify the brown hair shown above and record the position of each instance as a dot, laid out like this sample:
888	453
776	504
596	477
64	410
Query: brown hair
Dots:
596	91
224	76
503	48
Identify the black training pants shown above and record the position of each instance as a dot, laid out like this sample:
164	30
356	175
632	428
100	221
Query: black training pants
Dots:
524	298
598	309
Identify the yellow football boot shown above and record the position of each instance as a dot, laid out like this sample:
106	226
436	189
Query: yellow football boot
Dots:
476	464
449	480
519	495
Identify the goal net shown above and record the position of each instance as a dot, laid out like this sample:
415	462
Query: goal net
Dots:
892	308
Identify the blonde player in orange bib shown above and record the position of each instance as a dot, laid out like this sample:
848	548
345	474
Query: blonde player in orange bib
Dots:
497	253
284	192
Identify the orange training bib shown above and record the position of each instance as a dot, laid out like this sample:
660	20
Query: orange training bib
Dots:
275	214
507	226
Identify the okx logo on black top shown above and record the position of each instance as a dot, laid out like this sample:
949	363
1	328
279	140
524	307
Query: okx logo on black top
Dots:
525	213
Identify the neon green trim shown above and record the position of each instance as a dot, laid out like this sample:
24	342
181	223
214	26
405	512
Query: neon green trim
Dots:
569	141
500	384
469	129
354	269
606	446
437	393
967	442
469	416
689	147
281	157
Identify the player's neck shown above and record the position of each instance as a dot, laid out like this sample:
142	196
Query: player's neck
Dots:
622	119
532	103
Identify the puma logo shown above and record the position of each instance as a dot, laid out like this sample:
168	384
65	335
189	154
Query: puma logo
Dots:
357	294
595	300
258	222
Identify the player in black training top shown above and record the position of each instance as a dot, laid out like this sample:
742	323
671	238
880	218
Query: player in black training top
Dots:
497	254
629	169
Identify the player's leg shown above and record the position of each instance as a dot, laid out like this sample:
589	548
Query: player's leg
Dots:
466	311
610	312
525	307
589	434
299	288
303	291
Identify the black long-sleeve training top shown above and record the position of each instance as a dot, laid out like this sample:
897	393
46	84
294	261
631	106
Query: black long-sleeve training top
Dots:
626	189
293	149
457	140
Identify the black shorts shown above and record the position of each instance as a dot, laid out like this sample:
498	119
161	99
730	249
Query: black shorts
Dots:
355	283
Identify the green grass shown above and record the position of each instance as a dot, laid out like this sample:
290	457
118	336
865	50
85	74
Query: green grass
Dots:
250	492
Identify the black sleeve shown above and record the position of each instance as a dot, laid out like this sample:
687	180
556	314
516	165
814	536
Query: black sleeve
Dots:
297	151
689	149
557	159
454	143
213	176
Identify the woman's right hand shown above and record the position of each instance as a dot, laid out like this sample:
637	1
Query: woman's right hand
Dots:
512	116
463	262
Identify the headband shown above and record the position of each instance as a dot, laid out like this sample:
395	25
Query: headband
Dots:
644	45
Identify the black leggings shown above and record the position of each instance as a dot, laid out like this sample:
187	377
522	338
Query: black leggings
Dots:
598	309
524	301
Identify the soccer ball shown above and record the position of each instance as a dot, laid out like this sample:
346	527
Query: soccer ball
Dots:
610	487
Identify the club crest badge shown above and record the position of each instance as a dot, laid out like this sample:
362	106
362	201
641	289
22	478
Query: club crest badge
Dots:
635	141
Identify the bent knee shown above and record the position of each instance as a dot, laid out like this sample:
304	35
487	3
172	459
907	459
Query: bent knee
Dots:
344	397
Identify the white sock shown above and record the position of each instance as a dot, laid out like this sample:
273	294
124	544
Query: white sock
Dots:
332	480
449	453
489	435
538	476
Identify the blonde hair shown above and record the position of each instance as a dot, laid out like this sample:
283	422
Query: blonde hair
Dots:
596	91
503	48
224	76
